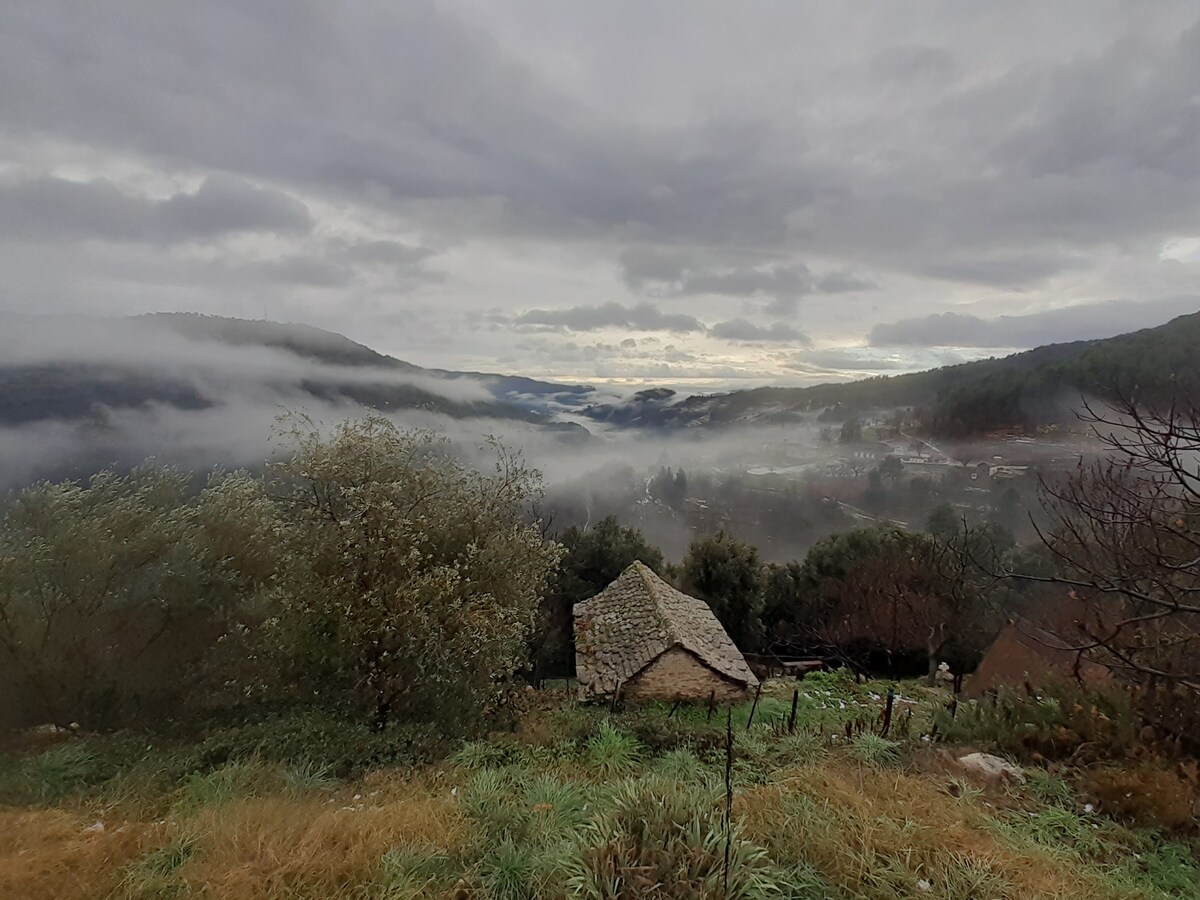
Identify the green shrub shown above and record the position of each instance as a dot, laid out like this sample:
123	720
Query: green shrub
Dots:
663	840
409	872
338	745
661	734
514	871
680	765
155	876
53	774
873	750
246	778
831	680
1050	789
480	755
613	752
489	799
1055	723
557	808
1170	869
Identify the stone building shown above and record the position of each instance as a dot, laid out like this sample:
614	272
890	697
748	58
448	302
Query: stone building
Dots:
1024	654
655	643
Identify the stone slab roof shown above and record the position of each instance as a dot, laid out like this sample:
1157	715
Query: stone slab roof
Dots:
635	620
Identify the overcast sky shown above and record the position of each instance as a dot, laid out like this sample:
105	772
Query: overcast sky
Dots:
684	192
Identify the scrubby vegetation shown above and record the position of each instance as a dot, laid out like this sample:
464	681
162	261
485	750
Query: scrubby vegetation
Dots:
581	801
328	680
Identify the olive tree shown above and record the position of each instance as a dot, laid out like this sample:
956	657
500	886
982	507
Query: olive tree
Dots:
410	580
113	592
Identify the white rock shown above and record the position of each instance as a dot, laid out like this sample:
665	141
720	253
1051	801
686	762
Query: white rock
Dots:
992	767
924	886
95	827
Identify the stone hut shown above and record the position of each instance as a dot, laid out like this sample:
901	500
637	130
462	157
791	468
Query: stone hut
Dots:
1024	654
655	643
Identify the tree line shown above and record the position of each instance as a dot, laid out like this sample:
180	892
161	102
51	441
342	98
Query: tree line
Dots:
376	573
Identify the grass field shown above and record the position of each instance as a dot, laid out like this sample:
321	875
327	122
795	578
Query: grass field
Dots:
584	802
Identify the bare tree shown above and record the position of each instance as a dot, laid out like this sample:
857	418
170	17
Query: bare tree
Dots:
1125	534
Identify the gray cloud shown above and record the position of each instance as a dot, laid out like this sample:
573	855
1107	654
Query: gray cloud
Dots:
640	317
766	159
384	253
47	208
1014	270
744	330
843	281
678	273
1094	320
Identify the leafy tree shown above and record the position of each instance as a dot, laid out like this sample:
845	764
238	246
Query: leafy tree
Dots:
410	582
113	592
892	469
885	592
669	487
875	497
593	559
851	432
943	522
784	596
1006	507
726	574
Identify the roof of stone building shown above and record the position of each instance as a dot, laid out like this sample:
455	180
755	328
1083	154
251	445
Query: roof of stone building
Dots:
635	620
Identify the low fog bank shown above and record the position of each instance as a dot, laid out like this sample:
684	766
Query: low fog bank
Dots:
778	486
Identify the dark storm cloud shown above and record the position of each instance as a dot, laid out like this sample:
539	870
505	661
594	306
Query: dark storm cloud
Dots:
769	156
1005	271
1095	320
50	208
743	330
641	317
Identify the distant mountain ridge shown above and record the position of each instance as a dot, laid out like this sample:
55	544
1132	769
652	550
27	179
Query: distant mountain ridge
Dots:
1039	386
1030	388
73	387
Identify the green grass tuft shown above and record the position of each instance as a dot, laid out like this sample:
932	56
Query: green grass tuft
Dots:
873	750
155	876
613	752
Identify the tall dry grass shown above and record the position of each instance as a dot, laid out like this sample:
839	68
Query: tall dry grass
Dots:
54	854
318	847
878	834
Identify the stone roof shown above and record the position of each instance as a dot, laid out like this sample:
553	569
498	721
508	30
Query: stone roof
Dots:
635	620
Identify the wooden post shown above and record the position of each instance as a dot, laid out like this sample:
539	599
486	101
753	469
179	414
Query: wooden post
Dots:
616	696
753	707
729	790
887	712
795	704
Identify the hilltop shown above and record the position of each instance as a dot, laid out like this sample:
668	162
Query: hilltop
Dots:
107	364
1039	386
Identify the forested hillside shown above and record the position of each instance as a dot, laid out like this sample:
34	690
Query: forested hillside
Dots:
1036	387
70	369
